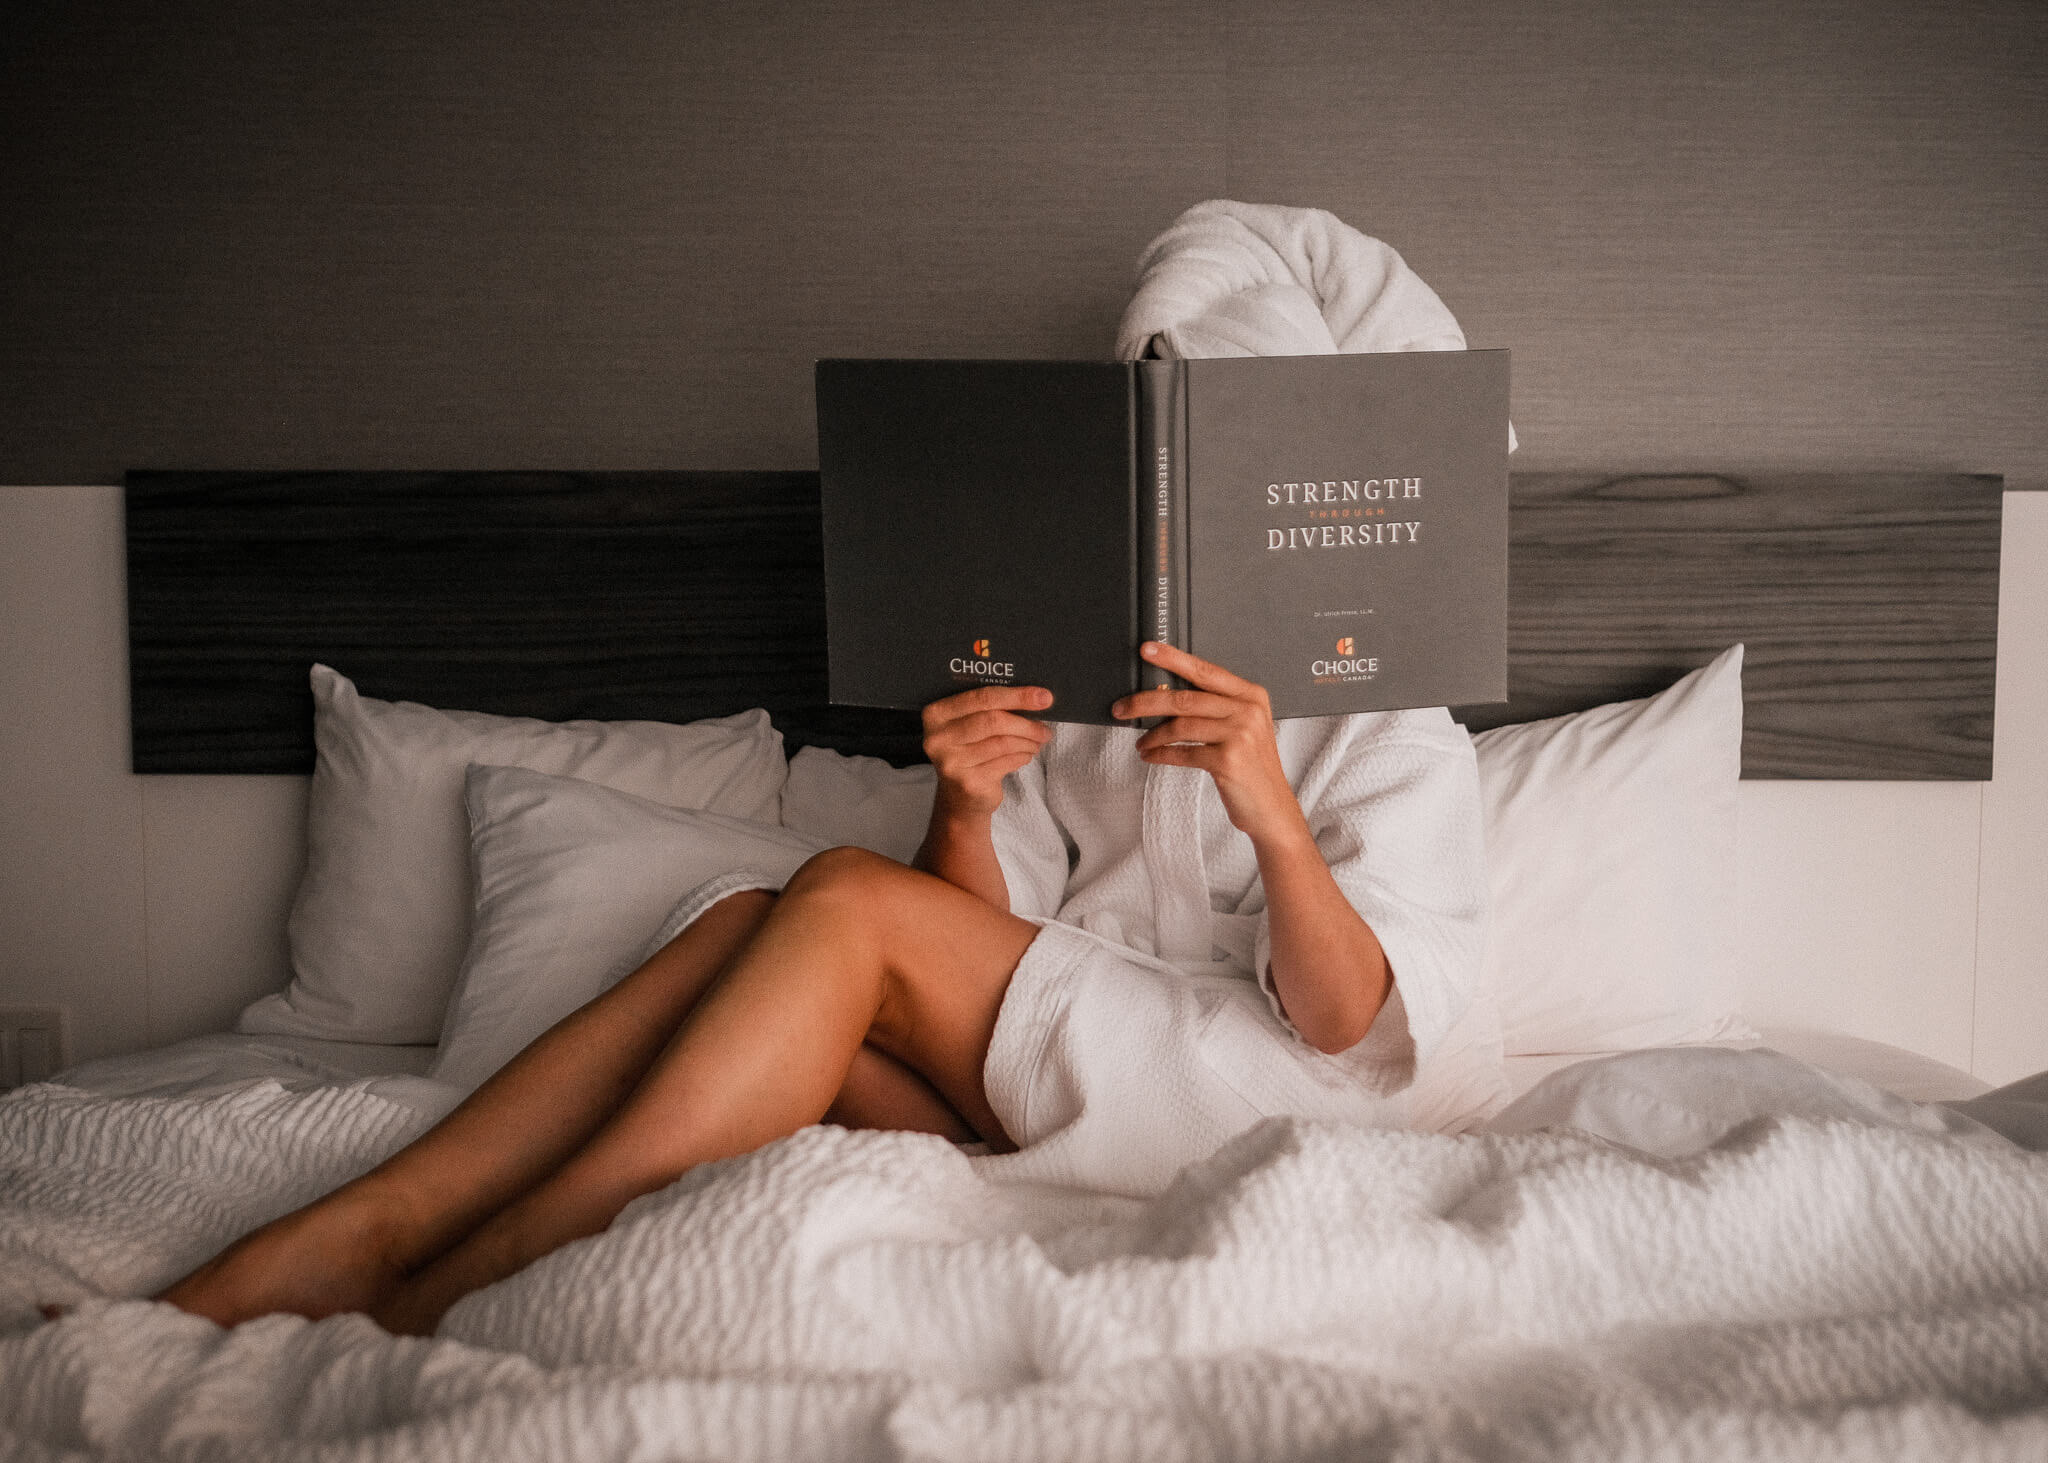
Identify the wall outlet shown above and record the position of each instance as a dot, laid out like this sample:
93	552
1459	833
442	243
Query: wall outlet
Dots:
34	1044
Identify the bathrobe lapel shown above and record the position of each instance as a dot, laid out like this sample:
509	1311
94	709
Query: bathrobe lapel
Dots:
1172	832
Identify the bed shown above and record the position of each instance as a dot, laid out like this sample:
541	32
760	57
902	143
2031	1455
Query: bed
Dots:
1626	1223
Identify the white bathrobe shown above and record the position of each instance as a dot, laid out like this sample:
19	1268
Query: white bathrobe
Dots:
1135	1037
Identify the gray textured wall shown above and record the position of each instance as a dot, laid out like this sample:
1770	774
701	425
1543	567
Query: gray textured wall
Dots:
1782	233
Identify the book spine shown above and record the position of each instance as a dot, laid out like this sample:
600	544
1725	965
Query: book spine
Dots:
1161	474
1179	518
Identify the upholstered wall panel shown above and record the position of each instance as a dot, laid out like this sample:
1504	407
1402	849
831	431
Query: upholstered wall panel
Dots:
501	233
1757	234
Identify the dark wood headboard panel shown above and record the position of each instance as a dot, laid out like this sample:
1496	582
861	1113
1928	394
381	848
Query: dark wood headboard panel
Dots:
1868	604
658	596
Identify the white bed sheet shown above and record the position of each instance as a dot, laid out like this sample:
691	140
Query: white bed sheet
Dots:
1905	1073
208	1064
1840	1288
203	1066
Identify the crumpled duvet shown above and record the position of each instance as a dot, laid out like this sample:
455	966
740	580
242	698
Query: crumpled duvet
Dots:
1801	1289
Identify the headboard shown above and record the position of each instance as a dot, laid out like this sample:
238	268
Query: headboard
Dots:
1868	604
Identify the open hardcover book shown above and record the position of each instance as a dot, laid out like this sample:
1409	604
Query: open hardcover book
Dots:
1333	527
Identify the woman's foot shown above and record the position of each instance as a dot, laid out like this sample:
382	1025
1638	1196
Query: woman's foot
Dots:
334	1256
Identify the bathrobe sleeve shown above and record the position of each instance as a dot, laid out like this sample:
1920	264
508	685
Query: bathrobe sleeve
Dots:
1393	802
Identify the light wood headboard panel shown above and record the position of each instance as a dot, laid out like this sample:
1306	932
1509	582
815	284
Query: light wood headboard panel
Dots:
1868	605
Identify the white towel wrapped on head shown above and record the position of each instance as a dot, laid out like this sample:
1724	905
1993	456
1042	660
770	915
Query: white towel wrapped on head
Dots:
1260	279
1257	279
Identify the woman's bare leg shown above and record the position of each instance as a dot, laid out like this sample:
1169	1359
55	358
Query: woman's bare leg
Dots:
349	1250
880	1092
858	950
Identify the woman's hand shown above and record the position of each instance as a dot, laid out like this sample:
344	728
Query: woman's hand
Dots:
1223	725
976	739
1328	969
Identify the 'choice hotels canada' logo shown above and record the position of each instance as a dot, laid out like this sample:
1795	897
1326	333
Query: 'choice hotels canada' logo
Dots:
1348	666
980	667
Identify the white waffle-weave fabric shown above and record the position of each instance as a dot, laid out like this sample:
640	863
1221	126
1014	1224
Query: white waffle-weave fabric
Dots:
1132	1038
1135	1037
1262	279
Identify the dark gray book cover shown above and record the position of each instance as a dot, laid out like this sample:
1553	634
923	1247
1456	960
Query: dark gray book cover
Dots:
1333	527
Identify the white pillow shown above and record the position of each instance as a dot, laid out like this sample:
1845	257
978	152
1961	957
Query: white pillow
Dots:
382	915
861	801
572	881
1610	854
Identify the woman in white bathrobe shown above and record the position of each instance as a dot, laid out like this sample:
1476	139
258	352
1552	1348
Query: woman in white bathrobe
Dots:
1152	942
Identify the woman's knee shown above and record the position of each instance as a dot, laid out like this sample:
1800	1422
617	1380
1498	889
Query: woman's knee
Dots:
858	891
846	871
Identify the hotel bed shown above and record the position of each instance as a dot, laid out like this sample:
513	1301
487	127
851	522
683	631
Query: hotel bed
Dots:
206	1064
1625	1223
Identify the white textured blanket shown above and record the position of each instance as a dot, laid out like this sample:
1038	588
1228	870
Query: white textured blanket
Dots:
1802	1290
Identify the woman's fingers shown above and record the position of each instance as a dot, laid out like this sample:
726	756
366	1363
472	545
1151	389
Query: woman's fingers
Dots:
1223	725
998	768
1207	730
1205	755
1214	691
978	726
950	709
1203	673
977	738
971	778
1174	701
990	749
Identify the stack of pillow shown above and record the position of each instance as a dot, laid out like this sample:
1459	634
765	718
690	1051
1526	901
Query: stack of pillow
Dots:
471	879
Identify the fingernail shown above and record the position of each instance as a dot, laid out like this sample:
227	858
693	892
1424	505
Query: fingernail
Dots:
1150	647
